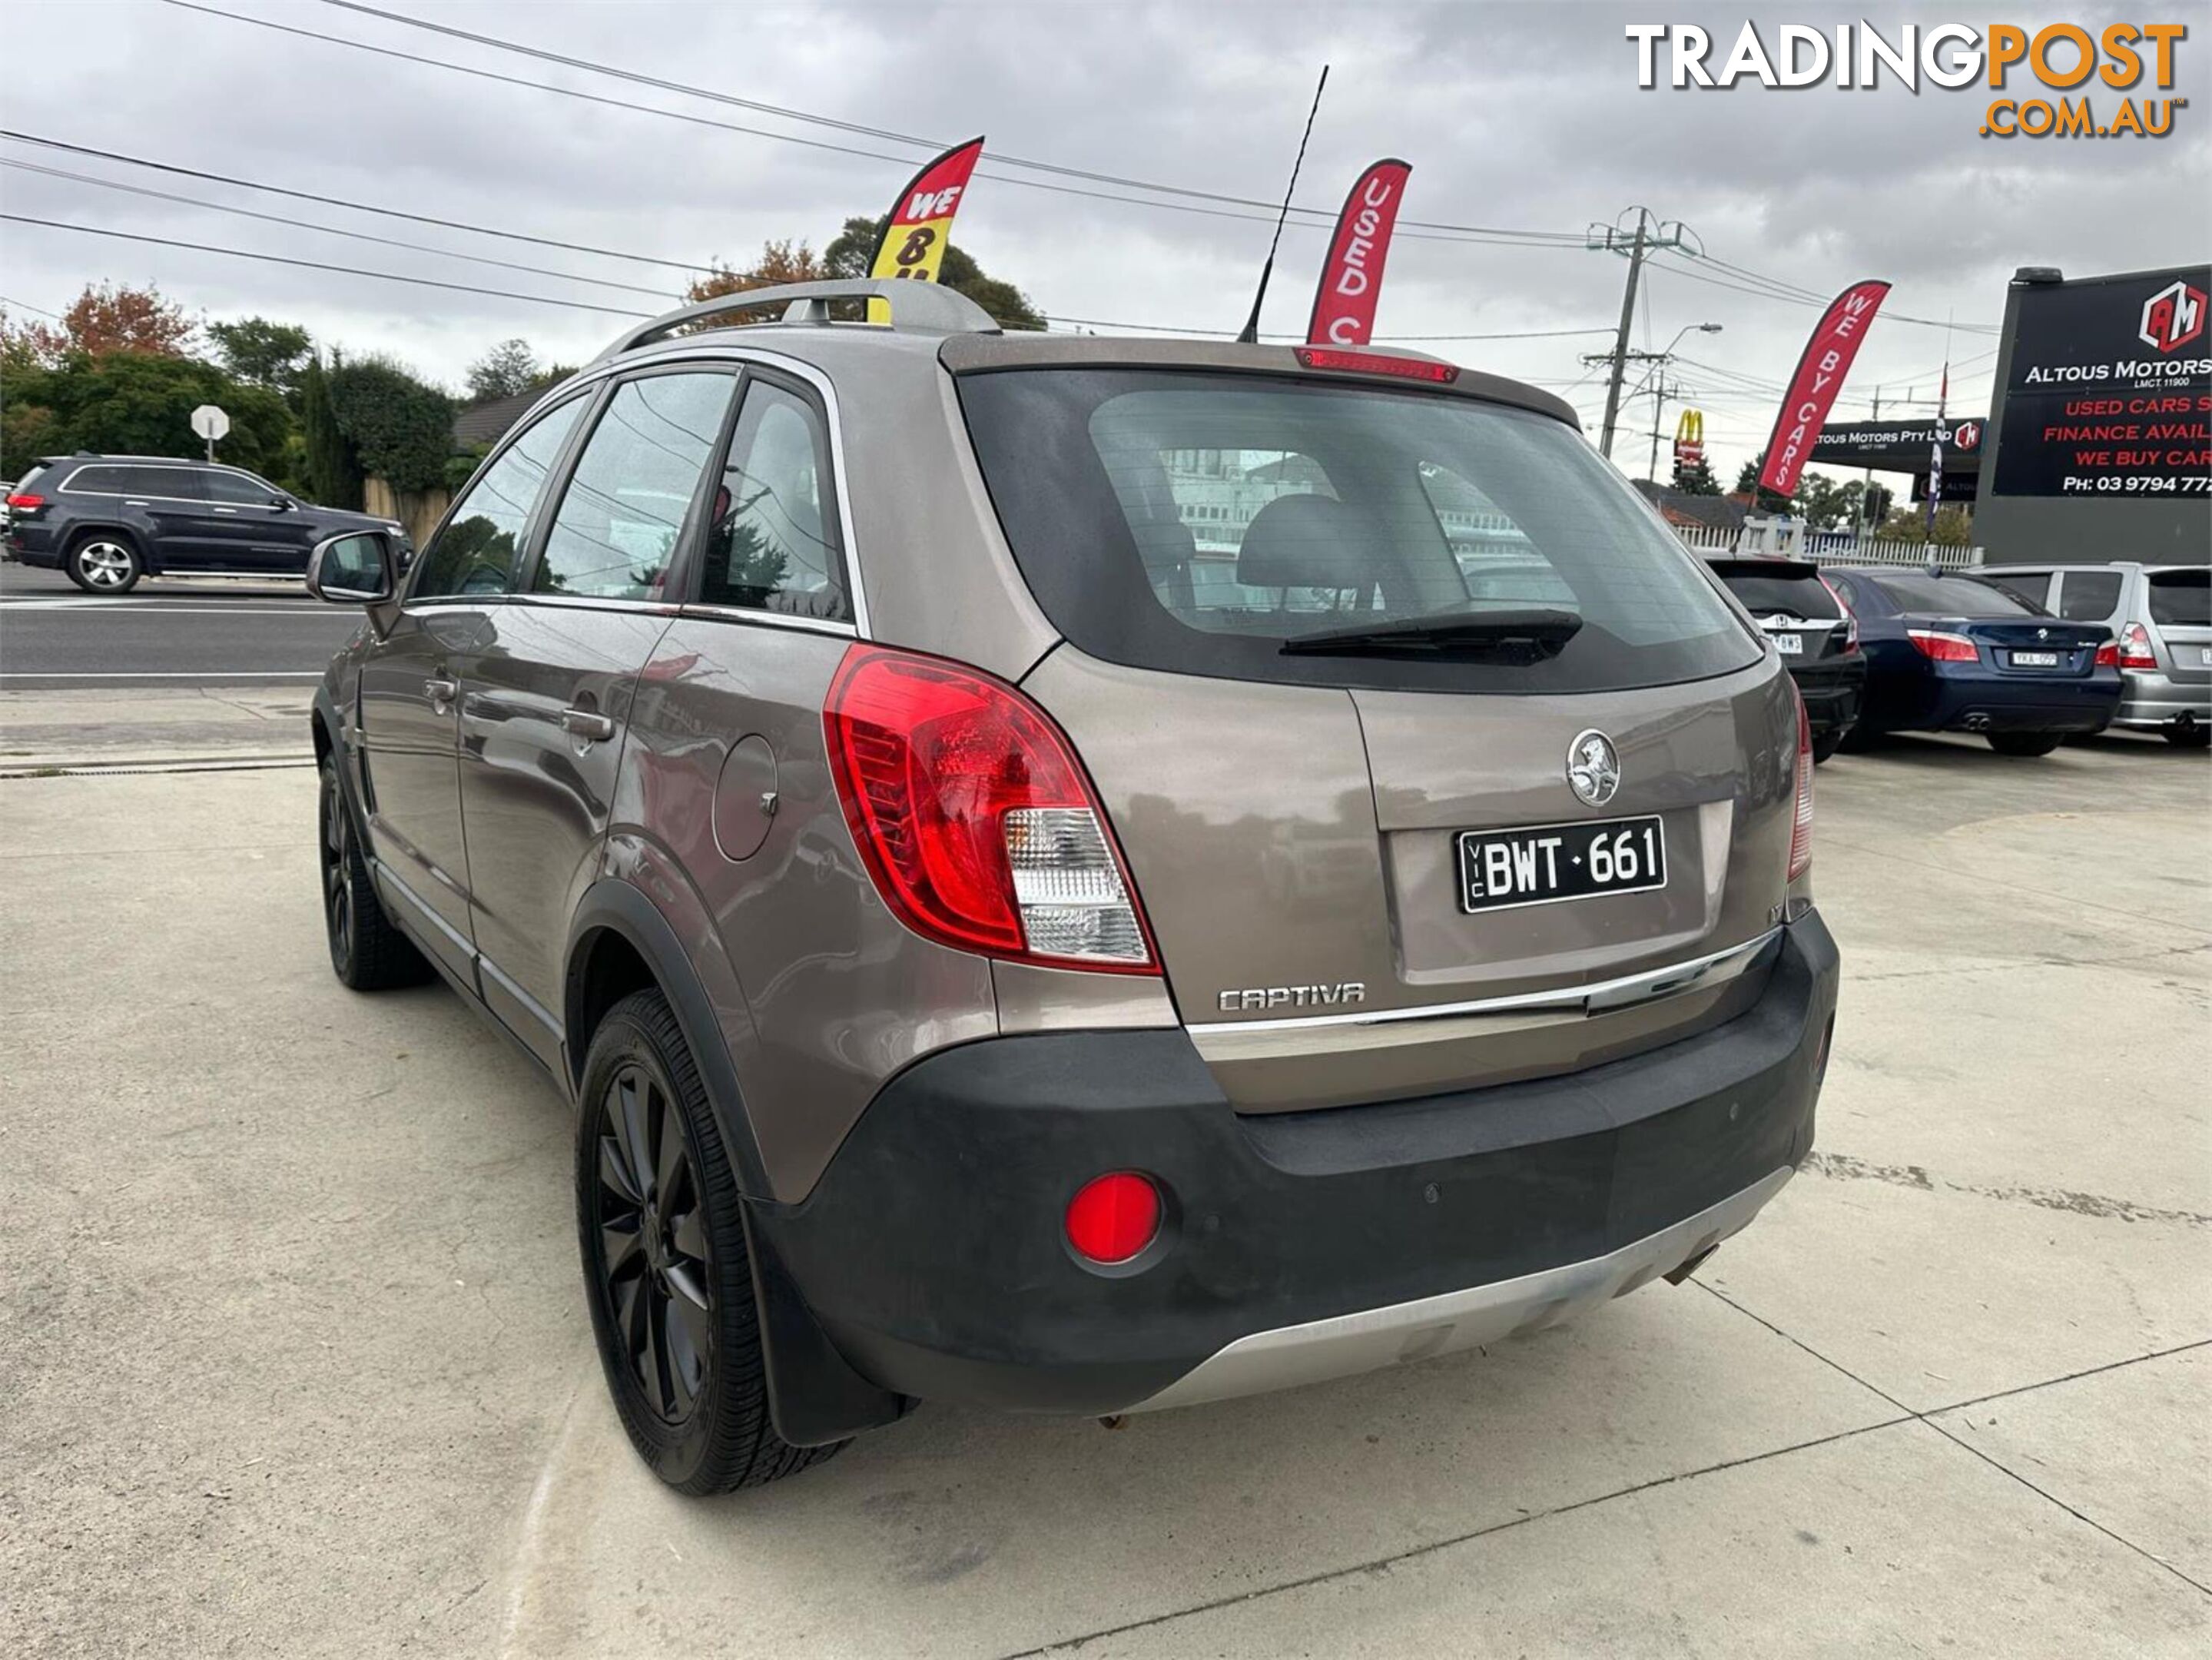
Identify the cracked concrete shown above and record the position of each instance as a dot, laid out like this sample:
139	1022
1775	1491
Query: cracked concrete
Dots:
294	1360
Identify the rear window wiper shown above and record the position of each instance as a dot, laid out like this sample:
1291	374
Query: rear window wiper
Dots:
1520	636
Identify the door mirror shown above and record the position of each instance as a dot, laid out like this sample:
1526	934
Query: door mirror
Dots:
281	504
355	567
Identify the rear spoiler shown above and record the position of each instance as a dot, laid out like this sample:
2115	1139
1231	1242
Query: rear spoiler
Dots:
1733	565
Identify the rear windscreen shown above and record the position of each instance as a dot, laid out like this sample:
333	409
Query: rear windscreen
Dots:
2181	599
1794	596
1196	522
1953	596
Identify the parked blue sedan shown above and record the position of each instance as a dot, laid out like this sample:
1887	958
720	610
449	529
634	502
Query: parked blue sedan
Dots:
1949	652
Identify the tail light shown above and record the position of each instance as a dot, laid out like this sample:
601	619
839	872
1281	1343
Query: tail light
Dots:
1941	647
1801	823
977	825
1113	1218
1850	617
2108	654
26	502
2135	651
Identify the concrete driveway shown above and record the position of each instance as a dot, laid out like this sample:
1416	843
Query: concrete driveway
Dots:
293	1359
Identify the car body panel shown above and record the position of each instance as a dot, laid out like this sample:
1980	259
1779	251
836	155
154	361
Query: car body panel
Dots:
2167	602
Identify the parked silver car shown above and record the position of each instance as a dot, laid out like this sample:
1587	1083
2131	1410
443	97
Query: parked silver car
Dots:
1047	884
2160	615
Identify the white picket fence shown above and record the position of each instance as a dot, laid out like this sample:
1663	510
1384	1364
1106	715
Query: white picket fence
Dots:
1839	550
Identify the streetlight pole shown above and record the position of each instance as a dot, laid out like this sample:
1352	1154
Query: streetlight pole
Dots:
1658	360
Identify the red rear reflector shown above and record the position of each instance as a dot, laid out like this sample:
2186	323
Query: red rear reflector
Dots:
1941	647
1371	362
1114	1217
976	823
2108	654
26	502
2134	648
1801	825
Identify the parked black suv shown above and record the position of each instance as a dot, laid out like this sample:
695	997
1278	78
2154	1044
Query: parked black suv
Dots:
107	520
1814	633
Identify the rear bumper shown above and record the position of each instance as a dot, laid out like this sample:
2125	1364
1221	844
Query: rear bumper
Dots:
1296	1246
2151	698
1990	702
1831	692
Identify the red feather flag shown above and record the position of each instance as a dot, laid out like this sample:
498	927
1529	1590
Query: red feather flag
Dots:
1821	371
1352	281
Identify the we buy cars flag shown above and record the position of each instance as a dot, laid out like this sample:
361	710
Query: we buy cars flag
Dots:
915	236
1821	371
1351	280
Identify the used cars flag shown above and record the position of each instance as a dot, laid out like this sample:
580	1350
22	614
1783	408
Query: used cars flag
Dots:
915	236
1819	377
1351	280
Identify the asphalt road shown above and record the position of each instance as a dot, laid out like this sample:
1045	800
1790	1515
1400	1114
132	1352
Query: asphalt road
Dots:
198	632
293	1358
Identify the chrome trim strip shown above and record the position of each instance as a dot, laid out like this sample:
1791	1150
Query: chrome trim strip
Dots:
1351	1343
383	874
1714	969
775	619
531	1005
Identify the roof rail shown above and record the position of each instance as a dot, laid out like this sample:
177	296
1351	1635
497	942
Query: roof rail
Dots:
916	307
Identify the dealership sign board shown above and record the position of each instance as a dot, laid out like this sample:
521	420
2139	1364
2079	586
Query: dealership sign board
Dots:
2109	392
1901	446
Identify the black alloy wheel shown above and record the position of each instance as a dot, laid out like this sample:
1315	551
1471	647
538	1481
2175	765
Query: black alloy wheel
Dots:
655	1266
367	952
336	853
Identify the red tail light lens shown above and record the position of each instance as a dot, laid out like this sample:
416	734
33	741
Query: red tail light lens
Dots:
2135	647
1113	1218
1801	825
1375	363
1941	647
26	502
1850	617
976	823
2108	654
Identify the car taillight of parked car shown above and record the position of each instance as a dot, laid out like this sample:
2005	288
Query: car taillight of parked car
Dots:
2108	654
977	823
1801	822
1941	647
1850	617
2134	651
26	503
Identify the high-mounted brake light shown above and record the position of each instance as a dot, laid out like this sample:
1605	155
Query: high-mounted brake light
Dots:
977	825
1850	617
1938	646
1372	363
25	502
1801	823
2135	647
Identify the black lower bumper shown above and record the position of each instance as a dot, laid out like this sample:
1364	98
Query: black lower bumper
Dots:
933	1257
1833	692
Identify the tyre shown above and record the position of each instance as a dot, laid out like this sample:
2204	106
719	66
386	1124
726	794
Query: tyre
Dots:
665	1264
1825	745
2026	743
1858	739
101	562
2189	735
367	952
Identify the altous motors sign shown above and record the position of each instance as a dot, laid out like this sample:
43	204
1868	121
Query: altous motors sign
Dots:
2105	81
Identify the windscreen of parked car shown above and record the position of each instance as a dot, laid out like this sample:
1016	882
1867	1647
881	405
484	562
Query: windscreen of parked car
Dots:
1915	593
1209	523
2181	599
1791	591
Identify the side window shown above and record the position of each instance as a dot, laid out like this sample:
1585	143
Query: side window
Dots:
94	481
177	483
1849	591
2089	596
624	510
234	490
2033	585
478	549
771	543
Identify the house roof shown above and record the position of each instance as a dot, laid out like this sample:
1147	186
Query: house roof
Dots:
1681	507
487	422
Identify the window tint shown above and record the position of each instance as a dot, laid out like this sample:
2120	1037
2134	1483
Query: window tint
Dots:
236	489
624	507
771	540
1954	596
1404	508
2033	585
95	480
480	545
1789	595
2181	599
177	483
2088	596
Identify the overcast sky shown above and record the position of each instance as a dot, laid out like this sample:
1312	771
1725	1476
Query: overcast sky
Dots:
1521	117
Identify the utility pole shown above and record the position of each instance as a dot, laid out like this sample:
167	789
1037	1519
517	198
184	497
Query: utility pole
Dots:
1658	415
1650	237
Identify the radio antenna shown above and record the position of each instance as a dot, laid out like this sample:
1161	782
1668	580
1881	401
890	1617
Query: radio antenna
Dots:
1251	335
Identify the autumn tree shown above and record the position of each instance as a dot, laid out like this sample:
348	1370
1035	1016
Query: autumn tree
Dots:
111	318
854	247
779	263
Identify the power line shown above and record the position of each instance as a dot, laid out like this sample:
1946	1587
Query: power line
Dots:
1787	293
20	306
327	230
340	202
317	264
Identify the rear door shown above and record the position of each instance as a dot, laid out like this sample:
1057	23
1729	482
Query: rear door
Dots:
410	687
2179	603
546	696
1330	816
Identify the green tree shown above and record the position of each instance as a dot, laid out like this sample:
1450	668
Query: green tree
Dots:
125	403
266	354
506	369
1697	480
1909	523
849	252
400	428
330	472
1823	504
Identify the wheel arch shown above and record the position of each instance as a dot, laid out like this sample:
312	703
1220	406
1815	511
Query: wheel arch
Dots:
148	564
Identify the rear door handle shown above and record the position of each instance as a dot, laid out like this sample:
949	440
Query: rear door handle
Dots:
587	724
440	692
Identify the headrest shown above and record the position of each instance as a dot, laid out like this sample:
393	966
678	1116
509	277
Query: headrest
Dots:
1310	542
